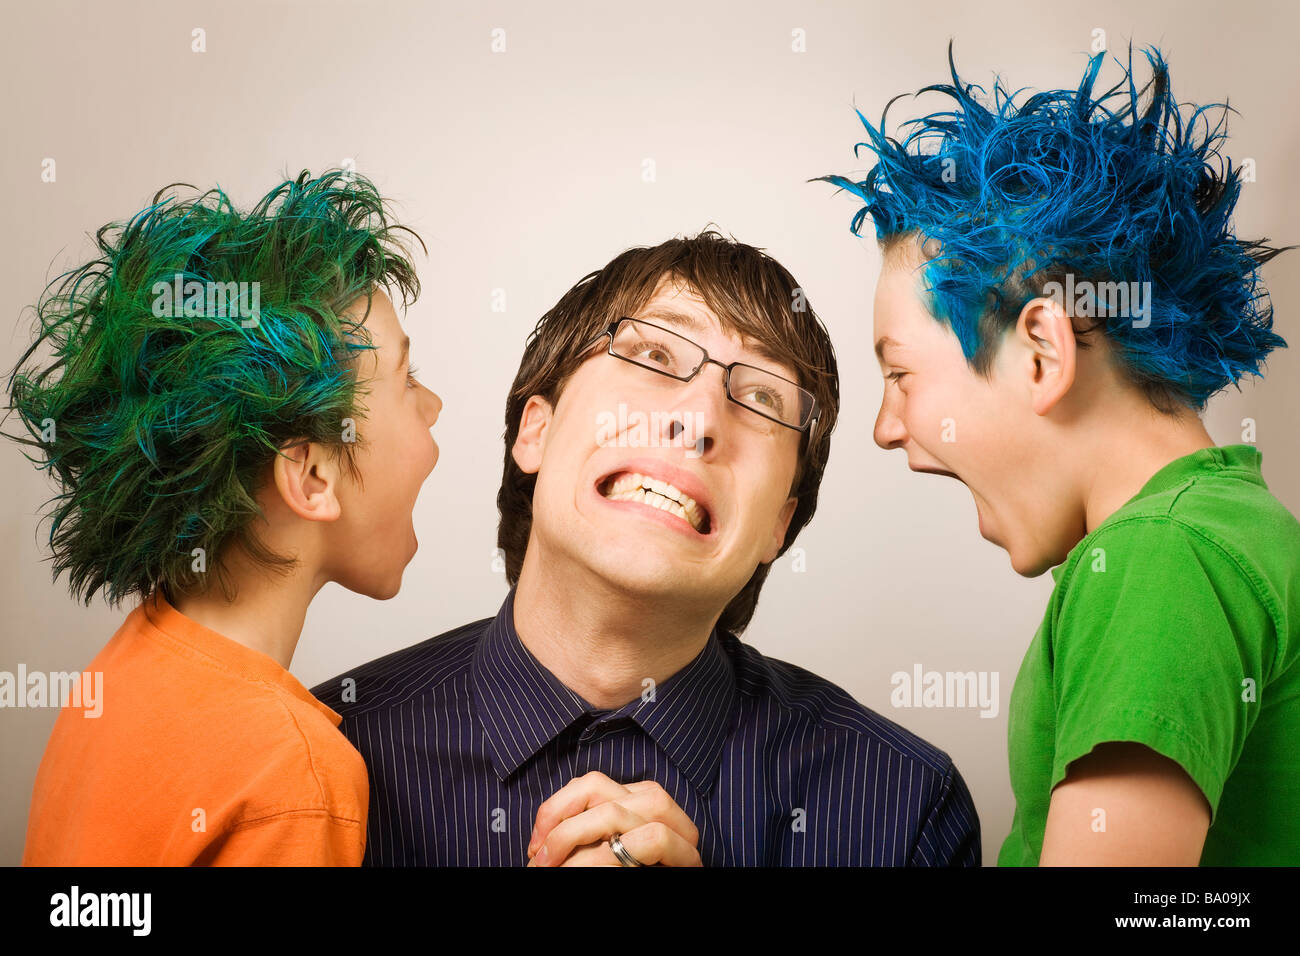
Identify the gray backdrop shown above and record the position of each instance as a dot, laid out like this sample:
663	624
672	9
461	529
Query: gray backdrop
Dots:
525	169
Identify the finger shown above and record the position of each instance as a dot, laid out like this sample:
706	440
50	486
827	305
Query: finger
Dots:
642	785
573	798
655	843
653	803
595	855
590	826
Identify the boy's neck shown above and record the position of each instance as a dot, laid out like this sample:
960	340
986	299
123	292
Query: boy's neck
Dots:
1131	451
267	614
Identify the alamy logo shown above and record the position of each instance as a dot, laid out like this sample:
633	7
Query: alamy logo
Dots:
1085	299
637	429
102	909
55	689
946	689
214	300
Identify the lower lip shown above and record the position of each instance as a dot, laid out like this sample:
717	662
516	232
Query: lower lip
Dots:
671	521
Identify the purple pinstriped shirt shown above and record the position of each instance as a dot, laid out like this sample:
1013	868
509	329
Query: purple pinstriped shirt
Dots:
465	735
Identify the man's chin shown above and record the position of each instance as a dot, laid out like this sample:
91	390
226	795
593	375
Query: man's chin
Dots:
648	576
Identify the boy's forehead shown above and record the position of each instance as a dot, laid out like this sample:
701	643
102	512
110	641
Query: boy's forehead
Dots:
385	330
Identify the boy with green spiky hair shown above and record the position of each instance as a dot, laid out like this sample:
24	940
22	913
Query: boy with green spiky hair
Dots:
1061	293
230	414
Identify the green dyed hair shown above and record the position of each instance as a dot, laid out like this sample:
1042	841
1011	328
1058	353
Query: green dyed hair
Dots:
160	418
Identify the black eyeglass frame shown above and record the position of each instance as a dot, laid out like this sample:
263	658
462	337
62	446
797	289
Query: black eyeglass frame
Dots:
611	330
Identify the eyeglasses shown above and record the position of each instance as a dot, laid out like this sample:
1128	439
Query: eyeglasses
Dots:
663	351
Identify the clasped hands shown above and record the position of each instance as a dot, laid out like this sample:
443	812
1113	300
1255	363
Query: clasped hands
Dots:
576	823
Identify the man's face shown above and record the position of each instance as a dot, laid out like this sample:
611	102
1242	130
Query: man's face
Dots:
374	539
724	504
952	421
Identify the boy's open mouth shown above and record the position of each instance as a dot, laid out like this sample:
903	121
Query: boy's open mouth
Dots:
936	471
655	493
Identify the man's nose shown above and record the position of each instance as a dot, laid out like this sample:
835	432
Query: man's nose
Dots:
701	406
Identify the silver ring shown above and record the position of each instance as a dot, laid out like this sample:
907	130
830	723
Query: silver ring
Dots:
620	851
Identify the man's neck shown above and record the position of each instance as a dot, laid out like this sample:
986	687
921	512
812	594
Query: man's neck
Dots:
599	641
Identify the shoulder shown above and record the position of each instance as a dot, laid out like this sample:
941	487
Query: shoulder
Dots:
404	675
814	705
1180	531
1213	538
1221	515
248	749
303	763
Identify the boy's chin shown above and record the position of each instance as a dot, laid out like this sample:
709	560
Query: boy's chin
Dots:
377	589
1030	563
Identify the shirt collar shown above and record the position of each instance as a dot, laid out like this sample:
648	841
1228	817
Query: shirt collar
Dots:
1238	461
523	706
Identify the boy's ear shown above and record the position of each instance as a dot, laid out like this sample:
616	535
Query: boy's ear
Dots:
307	478
781	527
1046	337
531	440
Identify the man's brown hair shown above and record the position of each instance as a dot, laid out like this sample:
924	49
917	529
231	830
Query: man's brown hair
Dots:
752	294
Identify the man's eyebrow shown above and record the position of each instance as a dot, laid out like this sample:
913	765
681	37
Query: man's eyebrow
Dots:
406	348
687	321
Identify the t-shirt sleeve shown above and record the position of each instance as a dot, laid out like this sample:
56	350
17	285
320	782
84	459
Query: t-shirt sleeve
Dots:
291	838
1161	640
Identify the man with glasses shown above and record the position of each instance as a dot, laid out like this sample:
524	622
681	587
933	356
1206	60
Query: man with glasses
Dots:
608	714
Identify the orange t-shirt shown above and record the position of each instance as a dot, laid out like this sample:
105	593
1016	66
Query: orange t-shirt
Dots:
206	752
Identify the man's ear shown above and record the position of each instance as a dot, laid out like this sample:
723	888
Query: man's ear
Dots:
1045	335
307	478
531	440
778	532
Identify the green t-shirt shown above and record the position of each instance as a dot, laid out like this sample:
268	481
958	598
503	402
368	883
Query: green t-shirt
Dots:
1175	624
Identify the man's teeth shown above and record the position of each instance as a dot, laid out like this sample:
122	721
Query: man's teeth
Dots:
658	494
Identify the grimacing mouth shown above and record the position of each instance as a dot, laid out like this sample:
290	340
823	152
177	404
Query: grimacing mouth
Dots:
654	492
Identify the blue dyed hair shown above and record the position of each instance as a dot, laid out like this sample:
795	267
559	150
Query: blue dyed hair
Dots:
1007	198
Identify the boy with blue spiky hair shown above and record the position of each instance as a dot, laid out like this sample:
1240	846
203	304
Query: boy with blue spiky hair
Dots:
1061	293
226	401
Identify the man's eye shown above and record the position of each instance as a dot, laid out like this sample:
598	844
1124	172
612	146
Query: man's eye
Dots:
767	398
654	352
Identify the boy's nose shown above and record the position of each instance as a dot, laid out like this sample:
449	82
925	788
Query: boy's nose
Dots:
889	431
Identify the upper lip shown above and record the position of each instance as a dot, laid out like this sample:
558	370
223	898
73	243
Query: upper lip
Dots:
680	478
